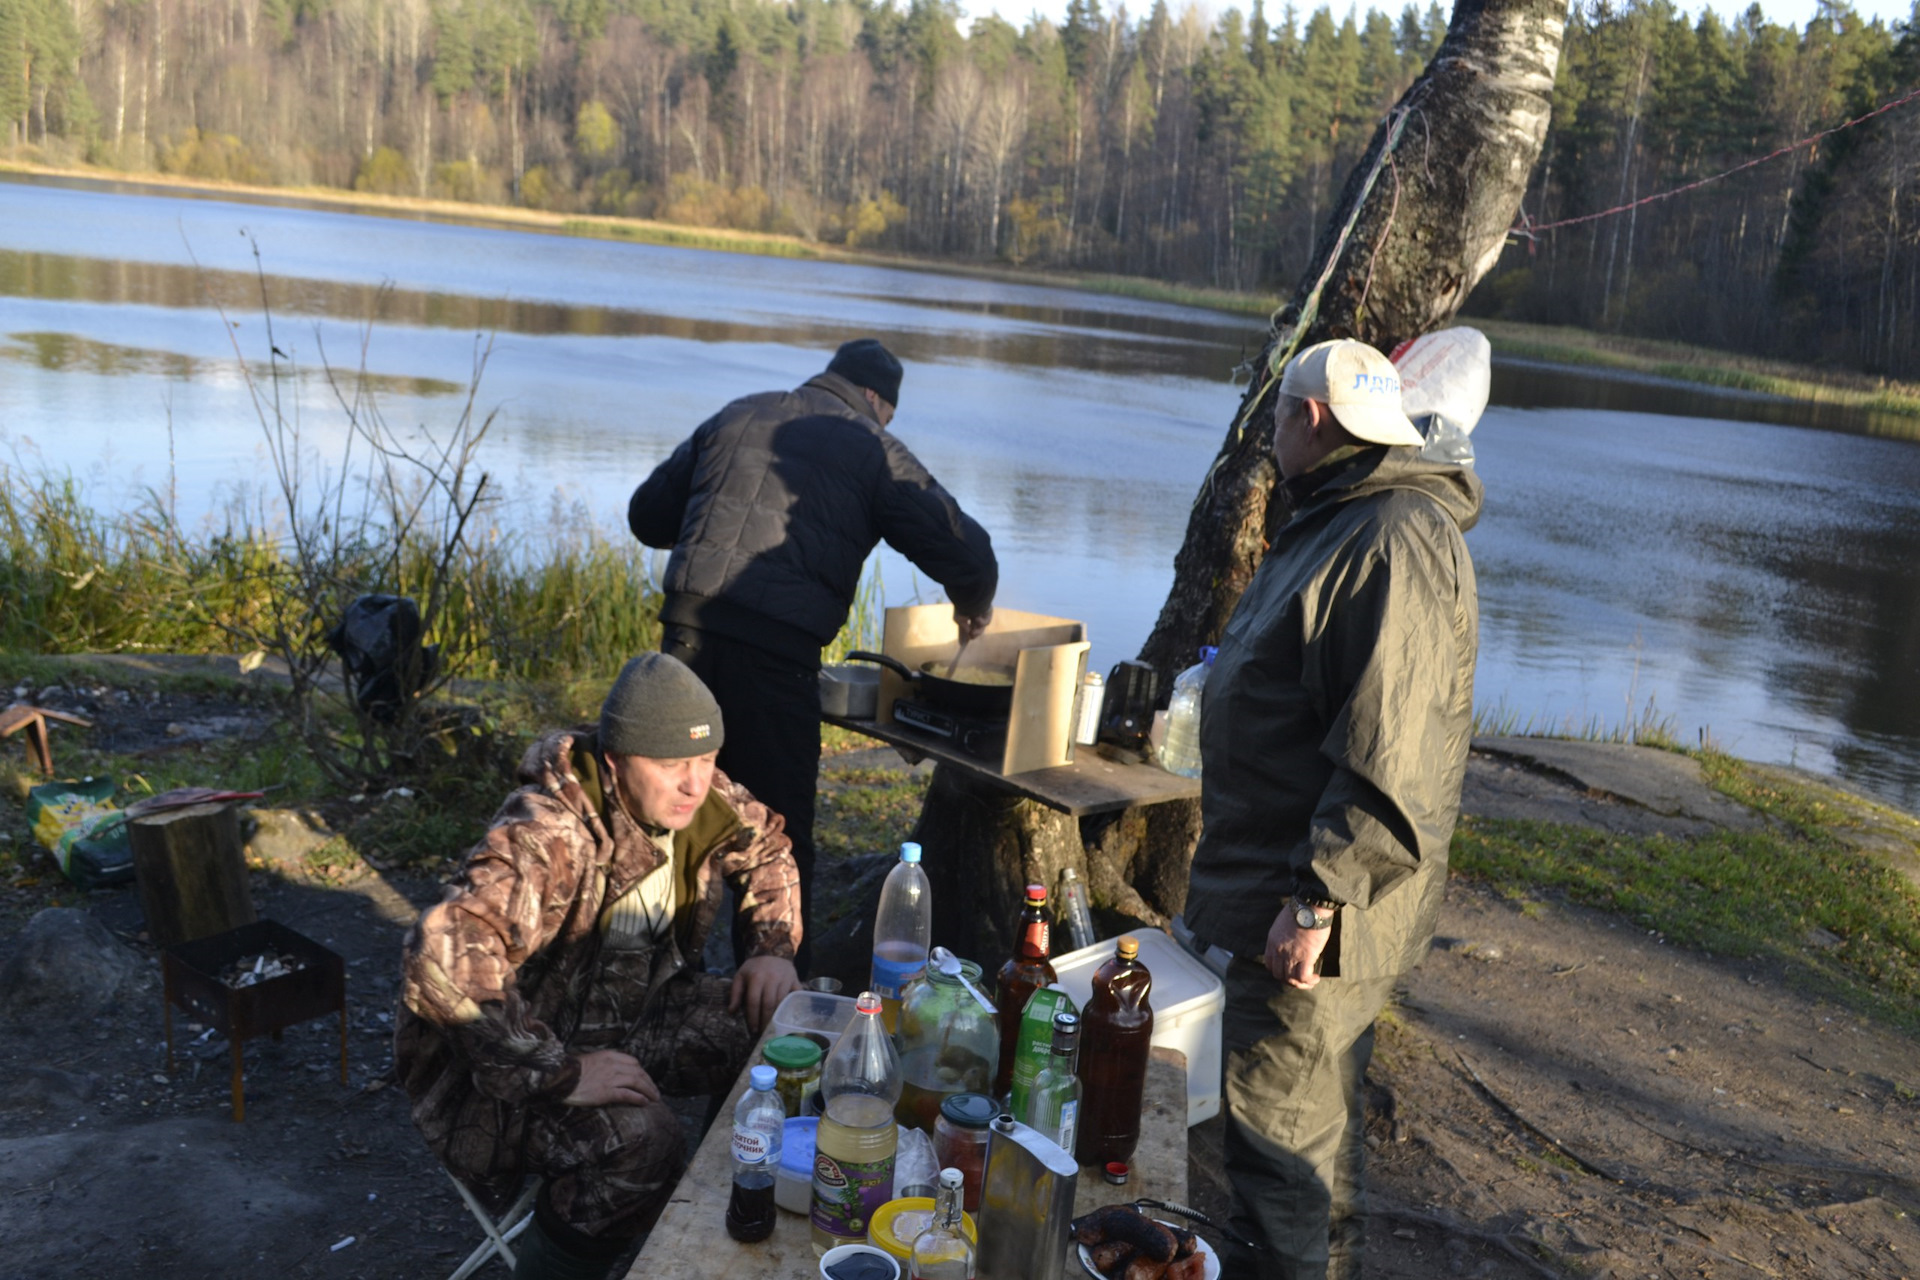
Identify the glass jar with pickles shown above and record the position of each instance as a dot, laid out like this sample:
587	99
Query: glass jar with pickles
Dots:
948	1044
797	1059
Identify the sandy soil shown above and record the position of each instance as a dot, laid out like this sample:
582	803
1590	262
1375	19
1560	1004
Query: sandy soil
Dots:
1558	1093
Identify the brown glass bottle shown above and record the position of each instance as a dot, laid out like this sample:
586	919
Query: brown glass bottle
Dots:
1029	969
1116	1031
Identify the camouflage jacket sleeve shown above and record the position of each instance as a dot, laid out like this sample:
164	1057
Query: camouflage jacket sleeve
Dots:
463	962
758	863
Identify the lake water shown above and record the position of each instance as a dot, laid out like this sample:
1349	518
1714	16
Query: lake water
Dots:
1753	581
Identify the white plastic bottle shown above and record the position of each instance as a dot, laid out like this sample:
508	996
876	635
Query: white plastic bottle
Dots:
902	932
1181	753
759	1124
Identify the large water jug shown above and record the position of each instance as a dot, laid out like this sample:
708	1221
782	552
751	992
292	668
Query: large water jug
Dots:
1181	752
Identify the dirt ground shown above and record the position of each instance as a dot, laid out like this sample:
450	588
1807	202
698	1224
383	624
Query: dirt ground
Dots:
1558	1093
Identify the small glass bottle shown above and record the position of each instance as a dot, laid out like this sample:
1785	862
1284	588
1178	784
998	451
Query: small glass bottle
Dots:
1053	1106
759	1122
1074	911
942	1251
1029	968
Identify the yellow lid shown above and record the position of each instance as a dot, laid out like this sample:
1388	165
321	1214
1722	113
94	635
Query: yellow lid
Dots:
898	1223
1129	947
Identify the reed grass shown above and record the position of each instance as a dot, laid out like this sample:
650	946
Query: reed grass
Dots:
569	602
79	580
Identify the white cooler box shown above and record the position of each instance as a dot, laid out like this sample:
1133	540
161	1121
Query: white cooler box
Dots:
1187	1001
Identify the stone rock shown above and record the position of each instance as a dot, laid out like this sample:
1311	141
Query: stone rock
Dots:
65	964
286	836
44	1085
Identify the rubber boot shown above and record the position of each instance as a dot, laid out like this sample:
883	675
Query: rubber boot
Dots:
551	1250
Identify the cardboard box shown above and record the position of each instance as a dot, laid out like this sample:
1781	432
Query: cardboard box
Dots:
1049	658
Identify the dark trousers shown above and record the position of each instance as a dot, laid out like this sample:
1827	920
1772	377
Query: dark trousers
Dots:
770	707
1295	1140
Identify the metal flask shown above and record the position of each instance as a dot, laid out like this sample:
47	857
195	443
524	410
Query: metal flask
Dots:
1026	1204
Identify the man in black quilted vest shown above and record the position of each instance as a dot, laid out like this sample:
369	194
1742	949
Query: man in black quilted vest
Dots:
771	508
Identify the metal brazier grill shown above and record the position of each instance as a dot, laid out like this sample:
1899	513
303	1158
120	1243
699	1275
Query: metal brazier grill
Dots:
192	973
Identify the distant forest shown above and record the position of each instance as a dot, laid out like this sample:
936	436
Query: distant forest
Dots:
1164	145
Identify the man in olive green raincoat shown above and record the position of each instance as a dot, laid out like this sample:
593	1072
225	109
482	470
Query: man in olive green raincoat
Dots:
1334	739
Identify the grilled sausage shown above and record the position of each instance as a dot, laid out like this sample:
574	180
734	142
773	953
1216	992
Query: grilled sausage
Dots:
1109	1258
1119	1223
1144	1268
1184	1243
1191	1267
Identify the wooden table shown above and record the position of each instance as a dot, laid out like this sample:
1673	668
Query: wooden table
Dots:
690	1240
1091	784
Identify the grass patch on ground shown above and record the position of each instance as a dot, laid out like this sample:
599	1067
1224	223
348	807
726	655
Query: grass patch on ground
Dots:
866	810
1839	923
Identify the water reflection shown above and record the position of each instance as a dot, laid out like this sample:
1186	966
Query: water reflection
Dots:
1532	384
1759	583
71	353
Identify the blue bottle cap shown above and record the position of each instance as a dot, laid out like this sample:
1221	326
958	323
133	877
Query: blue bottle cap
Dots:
1208	653
910	852
764	1076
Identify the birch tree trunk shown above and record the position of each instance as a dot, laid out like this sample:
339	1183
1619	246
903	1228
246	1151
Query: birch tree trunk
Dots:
1429	205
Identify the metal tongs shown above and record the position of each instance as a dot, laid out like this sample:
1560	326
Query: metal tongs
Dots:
1194	1215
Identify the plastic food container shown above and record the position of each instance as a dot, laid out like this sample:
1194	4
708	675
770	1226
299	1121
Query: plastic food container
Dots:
898	1223
852	1251
816	1015
1187	1004
793	1180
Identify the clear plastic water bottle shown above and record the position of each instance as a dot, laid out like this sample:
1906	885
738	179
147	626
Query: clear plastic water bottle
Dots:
1181	753
902	932
759	1122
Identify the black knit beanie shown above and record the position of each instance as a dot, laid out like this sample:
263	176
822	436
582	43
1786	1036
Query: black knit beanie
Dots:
659	709
865	363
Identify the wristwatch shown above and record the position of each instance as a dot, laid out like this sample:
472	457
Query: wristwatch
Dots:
1307	914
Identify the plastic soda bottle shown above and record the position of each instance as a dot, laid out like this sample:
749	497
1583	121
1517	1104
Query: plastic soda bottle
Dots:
902	932
1117	1034
853	1152
941	1252
759	1121
1181	753
1053	1104
1028	969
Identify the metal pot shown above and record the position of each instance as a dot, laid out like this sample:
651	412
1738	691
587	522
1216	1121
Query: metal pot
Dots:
957	696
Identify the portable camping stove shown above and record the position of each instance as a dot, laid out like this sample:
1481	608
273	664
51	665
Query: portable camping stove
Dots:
978	736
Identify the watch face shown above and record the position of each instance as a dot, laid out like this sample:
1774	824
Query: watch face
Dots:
1306	917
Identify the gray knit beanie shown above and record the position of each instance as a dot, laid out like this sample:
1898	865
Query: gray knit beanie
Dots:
658	708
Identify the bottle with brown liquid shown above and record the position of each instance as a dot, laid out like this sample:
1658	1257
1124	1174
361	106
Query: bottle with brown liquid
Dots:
1029	969
1116	1031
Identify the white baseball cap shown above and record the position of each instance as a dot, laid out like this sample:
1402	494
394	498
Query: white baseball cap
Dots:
1358	384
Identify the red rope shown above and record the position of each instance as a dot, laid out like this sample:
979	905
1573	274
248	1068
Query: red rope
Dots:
1532	231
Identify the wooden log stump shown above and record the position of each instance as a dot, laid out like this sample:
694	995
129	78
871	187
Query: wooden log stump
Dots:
983	845
191	870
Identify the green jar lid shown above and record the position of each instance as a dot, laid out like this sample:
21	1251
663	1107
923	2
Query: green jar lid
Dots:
970	1110
791	1053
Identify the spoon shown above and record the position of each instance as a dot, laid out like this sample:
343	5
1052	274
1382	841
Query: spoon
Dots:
957	653
948	963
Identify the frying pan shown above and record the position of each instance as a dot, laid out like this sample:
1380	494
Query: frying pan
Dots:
956	696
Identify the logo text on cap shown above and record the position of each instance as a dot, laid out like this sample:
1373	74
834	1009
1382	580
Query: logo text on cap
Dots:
700	731
1374	383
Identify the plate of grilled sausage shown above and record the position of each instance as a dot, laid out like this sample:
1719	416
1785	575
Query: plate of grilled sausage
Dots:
1121	1243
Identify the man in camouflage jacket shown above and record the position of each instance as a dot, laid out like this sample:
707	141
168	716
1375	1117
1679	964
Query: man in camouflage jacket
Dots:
549	999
